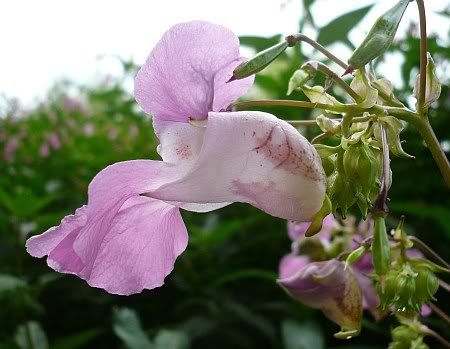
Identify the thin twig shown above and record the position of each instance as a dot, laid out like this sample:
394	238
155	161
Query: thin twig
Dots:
313	122
320	137
293	39
437	336
439	312
318	66
444	285
288	103
422	246
423	55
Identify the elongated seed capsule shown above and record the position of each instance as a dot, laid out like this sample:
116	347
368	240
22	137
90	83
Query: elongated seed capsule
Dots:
380	247
259	61
379	38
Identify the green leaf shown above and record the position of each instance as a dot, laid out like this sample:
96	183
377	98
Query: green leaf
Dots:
305	335
128	328
76	341
337	30
259	43
171	339
10	282
31	336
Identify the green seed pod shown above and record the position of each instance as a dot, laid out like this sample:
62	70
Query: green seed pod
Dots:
258	62
380	36
381	251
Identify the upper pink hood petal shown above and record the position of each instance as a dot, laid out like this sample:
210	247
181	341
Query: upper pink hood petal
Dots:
185	74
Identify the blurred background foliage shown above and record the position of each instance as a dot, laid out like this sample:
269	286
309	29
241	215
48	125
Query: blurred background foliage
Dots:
222	293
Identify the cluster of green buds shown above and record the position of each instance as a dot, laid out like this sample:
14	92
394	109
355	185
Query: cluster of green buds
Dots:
409	335
409	285
403	283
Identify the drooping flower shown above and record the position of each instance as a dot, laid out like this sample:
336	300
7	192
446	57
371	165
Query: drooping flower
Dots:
343	292
130	233
331	287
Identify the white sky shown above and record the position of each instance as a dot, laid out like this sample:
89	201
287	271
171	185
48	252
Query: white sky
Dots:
42	41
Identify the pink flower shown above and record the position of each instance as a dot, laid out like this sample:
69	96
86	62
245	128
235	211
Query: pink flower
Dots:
11	147
331	287
44	150
54	141
130	233
294	265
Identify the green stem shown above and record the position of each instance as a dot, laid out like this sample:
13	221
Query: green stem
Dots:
314	122
423	56
293	39
318	66
426	131
289	103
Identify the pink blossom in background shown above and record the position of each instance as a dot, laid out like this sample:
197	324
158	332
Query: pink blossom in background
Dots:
44	150
292	267
88	129
130	233
54	141
112	133
11	146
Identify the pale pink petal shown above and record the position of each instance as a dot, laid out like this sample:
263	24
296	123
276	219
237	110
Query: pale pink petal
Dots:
252	157
426	310
179	77
227	92
291	264
140	248
120	241
41	245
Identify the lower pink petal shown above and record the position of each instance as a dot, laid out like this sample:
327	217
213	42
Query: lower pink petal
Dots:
120	241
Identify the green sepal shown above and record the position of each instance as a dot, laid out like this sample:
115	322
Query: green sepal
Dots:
316	223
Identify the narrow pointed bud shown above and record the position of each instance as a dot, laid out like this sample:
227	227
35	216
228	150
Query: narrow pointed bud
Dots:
380	36
258	62
381	250
299	79
432	86
355	255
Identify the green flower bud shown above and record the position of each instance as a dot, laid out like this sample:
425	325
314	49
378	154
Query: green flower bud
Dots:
381	251
328	125
355	255
393	128
380	36
328	156
407	337
299	79
433	85
258	62
408	286
362	169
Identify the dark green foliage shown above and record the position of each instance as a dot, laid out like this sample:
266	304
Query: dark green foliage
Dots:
222	293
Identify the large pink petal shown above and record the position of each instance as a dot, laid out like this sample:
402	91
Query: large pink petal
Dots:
120	241
179	79
252	157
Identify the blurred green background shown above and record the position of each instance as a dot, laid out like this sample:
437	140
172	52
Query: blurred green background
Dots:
222	293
